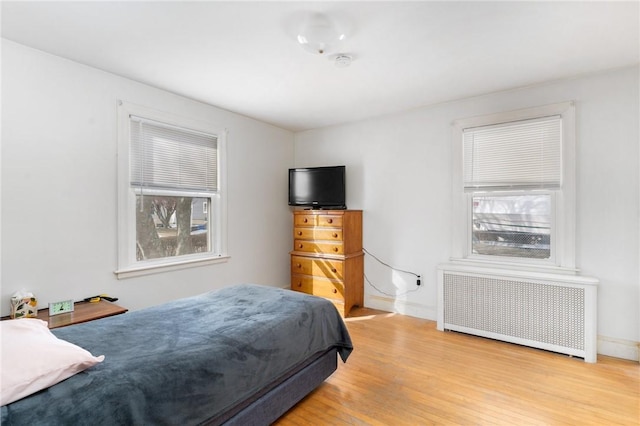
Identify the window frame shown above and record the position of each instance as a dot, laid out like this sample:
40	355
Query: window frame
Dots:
128	266
563	199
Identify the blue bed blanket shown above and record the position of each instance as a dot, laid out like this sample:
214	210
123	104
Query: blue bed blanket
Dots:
187	361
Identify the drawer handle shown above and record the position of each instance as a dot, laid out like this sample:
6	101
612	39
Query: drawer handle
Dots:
299	232
299	284
335	249
334	270
335	235
300	246
335	290
329	220
299	265
305	220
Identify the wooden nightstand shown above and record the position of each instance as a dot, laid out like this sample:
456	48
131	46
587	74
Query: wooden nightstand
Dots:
83	312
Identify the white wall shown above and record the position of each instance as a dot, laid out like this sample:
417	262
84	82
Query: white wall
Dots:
59	187
59	190
399	171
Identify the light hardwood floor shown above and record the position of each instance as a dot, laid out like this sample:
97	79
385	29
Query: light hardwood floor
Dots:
405	372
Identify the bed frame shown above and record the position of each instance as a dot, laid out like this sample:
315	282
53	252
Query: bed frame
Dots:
270	404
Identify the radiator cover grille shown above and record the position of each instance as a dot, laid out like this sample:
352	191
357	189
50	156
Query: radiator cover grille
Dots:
547	311
531	311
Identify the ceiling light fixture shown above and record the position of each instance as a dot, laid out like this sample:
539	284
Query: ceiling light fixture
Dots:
319	35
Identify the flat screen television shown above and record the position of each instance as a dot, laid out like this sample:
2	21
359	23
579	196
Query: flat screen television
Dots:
317	187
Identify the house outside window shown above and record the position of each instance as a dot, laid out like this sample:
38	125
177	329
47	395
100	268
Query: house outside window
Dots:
514	187
512	225
171	205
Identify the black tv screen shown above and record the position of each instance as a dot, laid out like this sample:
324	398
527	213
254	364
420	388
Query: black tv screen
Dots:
317	187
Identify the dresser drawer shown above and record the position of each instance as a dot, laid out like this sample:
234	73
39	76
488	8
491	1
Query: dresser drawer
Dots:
318	267
325	220
319	247
317	234
318	287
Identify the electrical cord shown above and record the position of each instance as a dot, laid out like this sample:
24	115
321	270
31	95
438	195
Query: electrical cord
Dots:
389	266
395	269
389	294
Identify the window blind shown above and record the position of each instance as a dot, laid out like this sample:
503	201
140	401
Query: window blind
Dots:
517	155
164	156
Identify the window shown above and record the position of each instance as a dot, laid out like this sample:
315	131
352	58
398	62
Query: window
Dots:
511	225
514	187
171	201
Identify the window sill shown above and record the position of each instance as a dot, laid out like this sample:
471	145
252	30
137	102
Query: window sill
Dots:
149	269
515	266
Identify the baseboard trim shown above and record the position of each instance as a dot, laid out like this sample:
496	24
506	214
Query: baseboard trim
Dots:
401	307
619	348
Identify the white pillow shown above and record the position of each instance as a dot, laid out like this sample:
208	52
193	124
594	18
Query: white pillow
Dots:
32	358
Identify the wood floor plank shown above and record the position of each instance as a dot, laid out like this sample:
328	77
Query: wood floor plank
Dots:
405	372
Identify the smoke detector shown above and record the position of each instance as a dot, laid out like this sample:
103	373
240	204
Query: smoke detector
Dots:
343	61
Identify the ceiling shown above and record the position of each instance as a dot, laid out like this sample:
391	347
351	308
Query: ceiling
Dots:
244	57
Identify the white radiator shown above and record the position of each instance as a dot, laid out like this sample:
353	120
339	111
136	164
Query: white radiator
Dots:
554	312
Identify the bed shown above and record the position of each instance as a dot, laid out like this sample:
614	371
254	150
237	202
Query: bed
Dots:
242	355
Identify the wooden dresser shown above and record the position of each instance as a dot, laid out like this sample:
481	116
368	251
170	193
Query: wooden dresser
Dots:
327	258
